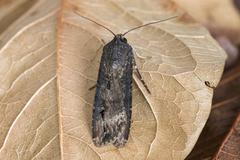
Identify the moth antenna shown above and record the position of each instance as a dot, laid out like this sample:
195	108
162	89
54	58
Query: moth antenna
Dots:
95	23
149	24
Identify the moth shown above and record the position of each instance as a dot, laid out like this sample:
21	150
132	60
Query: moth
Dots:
112	109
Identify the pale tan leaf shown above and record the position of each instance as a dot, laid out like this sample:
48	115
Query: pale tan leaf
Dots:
28	93
10	10
180	58
38	10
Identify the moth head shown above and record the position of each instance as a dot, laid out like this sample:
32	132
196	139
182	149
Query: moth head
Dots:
122	38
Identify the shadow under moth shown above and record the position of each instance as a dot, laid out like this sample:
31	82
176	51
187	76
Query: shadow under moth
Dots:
112	109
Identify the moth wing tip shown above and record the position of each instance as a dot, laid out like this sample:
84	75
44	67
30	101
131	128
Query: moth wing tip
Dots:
120	144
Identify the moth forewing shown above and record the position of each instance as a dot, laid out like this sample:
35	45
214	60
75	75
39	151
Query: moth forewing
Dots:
113	97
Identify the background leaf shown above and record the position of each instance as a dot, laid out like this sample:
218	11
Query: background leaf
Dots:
29	114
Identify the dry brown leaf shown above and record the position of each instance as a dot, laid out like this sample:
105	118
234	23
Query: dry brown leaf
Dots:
231	146
28	93
167	123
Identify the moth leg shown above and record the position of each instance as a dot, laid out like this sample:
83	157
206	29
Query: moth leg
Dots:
92	87
134	63
103	42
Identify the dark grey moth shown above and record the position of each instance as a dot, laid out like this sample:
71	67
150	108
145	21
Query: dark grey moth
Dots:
113	98
112	109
